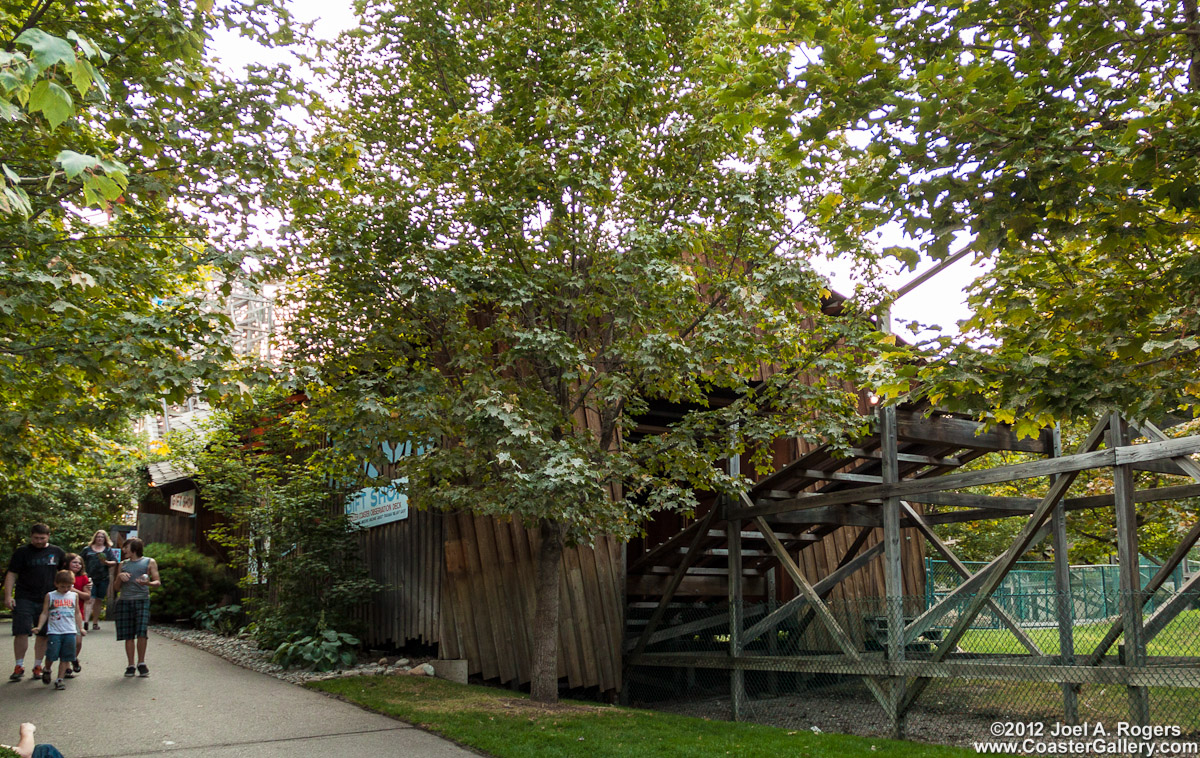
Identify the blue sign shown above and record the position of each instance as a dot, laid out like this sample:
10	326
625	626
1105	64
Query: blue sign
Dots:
373	506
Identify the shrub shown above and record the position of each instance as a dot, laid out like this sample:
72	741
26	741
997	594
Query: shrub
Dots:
225	620
191	582
323	651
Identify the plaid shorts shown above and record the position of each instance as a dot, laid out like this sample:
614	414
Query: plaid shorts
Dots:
132	619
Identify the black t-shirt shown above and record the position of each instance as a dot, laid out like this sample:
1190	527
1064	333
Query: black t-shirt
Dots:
35	568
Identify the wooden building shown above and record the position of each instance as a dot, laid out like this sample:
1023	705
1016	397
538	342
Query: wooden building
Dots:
466	583
174	512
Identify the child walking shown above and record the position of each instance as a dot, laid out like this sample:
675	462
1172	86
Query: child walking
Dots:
62	618
83	588
135	576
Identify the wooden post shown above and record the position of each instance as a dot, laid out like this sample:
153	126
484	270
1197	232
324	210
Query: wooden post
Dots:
772	634
1130	572
1064	606
737	676
893	574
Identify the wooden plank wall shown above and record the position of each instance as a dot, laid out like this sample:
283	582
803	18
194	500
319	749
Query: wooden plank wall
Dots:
488	603
406	557
171	529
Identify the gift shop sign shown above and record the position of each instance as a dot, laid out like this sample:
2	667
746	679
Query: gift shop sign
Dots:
373	506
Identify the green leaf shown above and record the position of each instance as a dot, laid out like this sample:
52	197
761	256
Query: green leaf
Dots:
74	164
53	101
48	50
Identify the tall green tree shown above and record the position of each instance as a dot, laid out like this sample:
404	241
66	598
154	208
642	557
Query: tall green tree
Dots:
1064	137
551	225
131	169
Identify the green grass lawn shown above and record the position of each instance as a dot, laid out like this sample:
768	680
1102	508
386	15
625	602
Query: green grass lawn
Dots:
1177	639
506	725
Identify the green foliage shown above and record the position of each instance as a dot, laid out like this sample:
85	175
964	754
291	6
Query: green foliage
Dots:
130	174
305	551
222	619
323	651
529	250
1063	138
190	581
75	496
7	753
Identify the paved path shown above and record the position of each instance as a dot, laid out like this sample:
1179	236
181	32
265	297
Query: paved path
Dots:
196	705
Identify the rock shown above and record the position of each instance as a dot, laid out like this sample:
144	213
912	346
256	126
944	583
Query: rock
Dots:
402	662
417	671
383	662
428	669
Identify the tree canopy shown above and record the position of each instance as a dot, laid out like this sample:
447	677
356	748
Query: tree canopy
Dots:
1064	138
131	167
552	226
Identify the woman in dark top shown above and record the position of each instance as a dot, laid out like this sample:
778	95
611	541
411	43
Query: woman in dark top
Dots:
99	561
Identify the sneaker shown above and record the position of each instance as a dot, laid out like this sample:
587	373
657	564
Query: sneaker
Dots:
95	626
75	666
45	675
18	672
69	675
58	684
37	672
130	671
143	670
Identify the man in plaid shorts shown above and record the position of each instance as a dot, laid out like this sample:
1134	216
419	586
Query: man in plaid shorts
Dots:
135	576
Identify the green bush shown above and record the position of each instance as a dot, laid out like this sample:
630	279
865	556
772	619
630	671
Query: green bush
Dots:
324	651
225	620
191	582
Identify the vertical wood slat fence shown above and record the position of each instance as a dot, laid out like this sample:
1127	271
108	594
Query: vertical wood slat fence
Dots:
466	583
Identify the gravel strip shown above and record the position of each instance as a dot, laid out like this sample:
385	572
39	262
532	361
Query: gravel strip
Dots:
245	653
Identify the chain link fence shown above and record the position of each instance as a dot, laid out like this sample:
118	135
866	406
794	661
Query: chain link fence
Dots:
791	668
1029	593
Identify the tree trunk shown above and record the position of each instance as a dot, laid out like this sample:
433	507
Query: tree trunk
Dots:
544	686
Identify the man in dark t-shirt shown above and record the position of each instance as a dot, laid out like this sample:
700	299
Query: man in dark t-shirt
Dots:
31	574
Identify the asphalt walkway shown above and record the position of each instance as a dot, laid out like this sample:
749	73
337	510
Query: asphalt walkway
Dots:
194	704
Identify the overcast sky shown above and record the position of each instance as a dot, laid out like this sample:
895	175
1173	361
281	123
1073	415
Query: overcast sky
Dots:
939	301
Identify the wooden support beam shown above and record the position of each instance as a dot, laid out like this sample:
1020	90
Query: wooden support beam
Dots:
834	476
1070	464
945	461
655	554
823	588
692	627
737	679
1002	565
847	565
1179	554
669	592
1063	606
840	637
933	614
893	570
957	432
969	500
1129	570
691	585
962	570
840	515
1183	597
1020	670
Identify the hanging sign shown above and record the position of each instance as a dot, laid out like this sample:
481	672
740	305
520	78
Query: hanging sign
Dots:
373	506
184	502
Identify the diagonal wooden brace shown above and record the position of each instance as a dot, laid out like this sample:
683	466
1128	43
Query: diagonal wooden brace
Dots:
958	566
835	629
